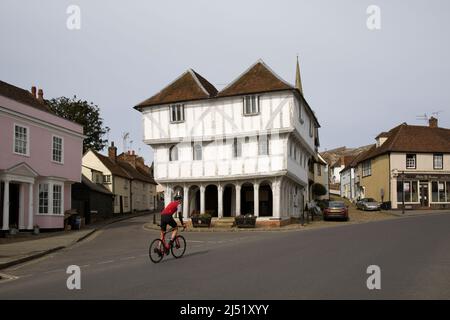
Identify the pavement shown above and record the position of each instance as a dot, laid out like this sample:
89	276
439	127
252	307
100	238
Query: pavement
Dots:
413	254
15	251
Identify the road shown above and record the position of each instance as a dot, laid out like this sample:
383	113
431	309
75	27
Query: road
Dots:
413	254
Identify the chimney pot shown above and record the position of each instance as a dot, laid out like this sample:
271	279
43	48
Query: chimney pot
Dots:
33	91
433	122
41	95
112	152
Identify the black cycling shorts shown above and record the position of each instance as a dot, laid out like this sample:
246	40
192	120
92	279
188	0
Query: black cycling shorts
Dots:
167	219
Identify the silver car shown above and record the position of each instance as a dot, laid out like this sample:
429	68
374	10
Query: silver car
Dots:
368	204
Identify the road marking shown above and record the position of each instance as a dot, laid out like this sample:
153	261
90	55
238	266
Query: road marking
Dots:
85	266
128	258
105	262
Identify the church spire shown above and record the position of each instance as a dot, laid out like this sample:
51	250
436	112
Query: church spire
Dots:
298	80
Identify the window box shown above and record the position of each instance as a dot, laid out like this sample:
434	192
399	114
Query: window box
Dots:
201	220
245	221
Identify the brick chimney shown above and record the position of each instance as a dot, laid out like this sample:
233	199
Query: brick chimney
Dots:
433	122
112	152
40	95
33	91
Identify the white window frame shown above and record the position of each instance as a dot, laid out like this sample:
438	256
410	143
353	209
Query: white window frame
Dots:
106	178
254	108
367	168
60	199
47	198
53	149
27	154
435	155
179	112
50	198
406	160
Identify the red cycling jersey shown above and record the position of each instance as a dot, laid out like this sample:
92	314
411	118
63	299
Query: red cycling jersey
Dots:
171	208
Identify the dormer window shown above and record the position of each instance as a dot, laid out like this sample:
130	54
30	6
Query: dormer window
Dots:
251	105
177	112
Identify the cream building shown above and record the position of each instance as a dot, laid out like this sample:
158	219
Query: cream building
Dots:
408	167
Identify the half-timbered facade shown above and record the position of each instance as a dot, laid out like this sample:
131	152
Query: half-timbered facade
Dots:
225	151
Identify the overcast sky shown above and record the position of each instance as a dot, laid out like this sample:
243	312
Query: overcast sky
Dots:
359	82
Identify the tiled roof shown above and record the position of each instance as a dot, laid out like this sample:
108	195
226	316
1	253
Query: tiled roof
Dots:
189	86
149	176
356	159
95	186
135	173
258	78
112	166
22	95
415	139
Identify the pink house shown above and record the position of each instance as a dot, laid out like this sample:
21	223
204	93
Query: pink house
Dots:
40	158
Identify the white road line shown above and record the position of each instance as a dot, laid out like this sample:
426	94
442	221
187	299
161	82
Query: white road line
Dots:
85	266
105	262
127	258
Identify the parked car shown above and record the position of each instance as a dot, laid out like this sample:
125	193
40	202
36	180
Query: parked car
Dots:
335	209
368	204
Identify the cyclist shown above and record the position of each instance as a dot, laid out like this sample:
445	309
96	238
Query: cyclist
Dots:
167	218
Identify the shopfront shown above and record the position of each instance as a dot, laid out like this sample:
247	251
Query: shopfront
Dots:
422	191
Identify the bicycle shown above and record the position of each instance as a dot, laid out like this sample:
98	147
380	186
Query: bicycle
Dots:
158	248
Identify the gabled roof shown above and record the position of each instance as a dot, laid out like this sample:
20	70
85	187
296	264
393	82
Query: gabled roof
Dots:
258	78
359	156
94	186
22	95
189	86
414	139
148	175
134	172
112	166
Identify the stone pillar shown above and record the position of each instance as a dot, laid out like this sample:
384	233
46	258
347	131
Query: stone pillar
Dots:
167	195
30	207
22	207
202	199
256	199
220	201
185	202
238	199
6	206
276	191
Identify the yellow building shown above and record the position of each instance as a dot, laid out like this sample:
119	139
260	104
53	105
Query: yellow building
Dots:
409	166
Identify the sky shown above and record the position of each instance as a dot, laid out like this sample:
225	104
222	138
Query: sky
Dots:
358	81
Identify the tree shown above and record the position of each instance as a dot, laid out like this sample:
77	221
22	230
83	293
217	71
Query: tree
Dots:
319	189
85	114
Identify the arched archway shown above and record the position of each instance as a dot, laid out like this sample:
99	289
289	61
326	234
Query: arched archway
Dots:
211	200
265	199
194	200
247	199
229	200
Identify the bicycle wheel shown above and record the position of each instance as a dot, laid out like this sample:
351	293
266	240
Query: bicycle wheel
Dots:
156	250
178	247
